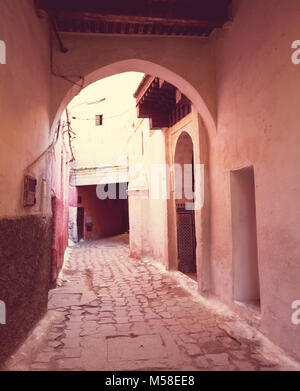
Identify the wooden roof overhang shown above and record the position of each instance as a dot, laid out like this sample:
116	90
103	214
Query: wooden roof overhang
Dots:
160	101
137	17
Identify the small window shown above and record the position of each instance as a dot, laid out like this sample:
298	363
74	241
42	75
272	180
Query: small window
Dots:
99	120
29	190
79	200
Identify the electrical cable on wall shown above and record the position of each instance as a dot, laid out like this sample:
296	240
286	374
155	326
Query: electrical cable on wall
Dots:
70	132
113	116
48	149
64	50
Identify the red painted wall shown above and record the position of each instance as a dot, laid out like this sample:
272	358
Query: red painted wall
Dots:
60	203
108	216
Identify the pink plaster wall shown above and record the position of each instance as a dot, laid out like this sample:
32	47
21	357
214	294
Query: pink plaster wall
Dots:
25	96
73	195
148	217
258	124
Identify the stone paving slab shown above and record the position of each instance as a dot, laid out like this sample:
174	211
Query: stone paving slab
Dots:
112	312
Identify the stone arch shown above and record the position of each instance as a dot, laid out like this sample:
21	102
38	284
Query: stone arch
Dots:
66	93
183	138
183	154
206	120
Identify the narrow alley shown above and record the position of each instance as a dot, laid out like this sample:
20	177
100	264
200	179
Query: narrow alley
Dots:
113	312
149	186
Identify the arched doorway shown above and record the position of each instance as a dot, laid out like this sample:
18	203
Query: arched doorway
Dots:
184	203
204	132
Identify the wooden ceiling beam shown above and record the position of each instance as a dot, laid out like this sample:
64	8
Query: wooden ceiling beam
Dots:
158	100
138	19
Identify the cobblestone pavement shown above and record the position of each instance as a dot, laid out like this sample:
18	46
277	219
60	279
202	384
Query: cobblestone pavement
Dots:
113	312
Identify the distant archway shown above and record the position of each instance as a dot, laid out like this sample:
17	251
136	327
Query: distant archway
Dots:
184	199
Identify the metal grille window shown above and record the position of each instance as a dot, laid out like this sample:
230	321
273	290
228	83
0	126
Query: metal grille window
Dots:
99	119
186	240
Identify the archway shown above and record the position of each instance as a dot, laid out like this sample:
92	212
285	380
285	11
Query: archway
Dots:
184	204
206	130
65	94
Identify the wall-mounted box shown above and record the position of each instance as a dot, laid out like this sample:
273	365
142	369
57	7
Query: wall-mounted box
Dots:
29	190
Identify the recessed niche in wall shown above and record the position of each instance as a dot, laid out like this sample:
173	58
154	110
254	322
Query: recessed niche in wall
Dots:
246	287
